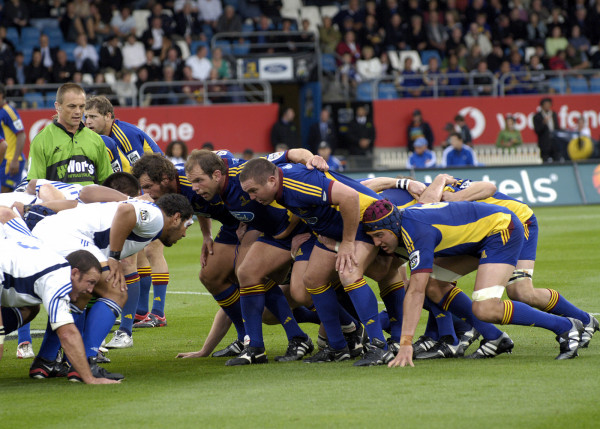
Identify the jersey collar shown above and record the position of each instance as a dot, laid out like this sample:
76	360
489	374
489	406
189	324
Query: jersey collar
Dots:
61	126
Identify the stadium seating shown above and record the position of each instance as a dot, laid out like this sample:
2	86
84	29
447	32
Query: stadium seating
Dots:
224	45
595	84
558	85
364	91
34	100
30	36
141	20
431	53
330	11
577	85
55	36
387	91
13	36
313	15
417	65
184	48
328	63
240	49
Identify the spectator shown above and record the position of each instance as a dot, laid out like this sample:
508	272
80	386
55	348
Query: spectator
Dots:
208	146
348	74
455	40
217	91
352	12
582	129
482	80
461	127
455	78
19	69
142	78
545	123
193	92
111	56
86	56
247	154
48	53
284	131
322	131
125	88
329	36
324	151
134	53
153	37
458	154
70	24
596	57
369	66
556	42
518	28
209	11
348	46
176	152
63	69
416	37
395	38
101	88
578	40
98	24
220	64
199	64
431	76
123	22
536	77
372	34
473	58
509	137
437	34
556	19
168	93
361	134
506	76
229	22
422	157
577	60
187	24
536	29
15	14
35	72
538	7
166	19
174	61
475	36
559	61
153	66
495	58
418	128
410	81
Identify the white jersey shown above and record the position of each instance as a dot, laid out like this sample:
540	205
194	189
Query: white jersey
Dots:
88	226
9	198
69	190
31	275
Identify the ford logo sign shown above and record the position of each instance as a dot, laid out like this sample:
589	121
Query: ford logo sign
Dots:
276	68
243	216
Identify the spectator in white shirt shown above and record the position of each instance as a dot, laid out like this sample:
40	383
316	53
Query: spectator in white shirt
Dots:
210	11
134	53
123	23
369	67
86	56
199	64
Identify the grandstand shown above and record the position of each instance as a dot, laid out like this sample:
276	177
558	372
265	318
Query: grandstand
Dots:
423	50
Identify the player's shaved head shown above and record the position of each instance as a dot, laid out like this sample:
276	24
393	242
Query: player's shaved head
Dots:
156	166
259	170
208	161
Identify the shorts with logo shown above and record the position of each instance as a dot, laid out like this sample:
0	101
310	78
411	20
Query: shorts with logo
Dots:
303	253
227	235
529	250
503	247
361	235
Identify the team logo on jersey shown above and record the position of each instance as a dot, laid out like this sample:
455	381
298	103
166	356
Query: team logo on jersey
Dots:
244	200
18	124
143	215
415	259
243	216
133	157
311	220
222	153
275	155
286	167
324	197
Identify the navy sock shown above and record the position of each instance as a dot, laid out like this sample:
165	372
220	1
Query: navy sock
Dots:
365	303
11	319
50	344
431	329
160	281
252	300
145	284
229	301
345	302
560	306
443	320
325	301
100	319
24	333
384	321
393	298
518	313
460	325
277	304
304	315
130	307
457	302
346	318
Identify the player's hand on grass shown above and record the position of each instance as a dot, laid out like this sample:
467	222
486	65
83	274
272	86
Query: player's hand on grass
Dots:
197	354
346	260
403	358
317	162
115	275
103	381
207	249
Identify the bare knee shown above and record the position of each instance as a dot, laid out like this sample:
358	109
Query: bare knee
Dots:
6	214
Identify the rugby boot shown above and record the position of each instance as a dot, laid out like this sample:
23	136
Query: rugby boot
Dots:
357	340
588	332
443	349
298	347
375	354
329	355
250	355
468	338
492	348
423	344
233	349
569	340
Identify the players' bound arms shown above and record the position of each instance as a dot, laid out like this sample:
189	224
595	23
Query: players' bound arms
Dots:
59	205
379	184
476	191
219	328
413	305
14	163
348	201
306	157
433	193
207	240
100	194
122	225
71	342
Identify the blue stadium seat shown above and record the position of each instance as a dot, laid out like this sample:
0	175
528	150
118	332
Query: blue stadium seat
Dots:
426	55
233	3
34	100
241	48
364	91
578	85
69	47
27	53
387	91
595	84
50	99
328	63
557	84
247	28
13	36
195	45
224	45
30	35
55	36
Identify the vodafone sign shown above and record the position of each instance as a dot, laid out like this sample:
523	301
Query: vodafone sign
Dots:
234	127
484	116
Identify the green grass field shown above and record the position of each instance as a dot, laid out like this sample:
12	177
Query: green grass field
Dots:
527	389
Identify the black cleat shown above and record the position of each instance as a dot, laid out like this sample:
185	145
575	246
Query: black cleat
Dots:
492	348
231	350
423	344
329	355
588	332
248	356
375	354
443	349
468	338
569	340
43	368
393	346
357	340
97	371
298	347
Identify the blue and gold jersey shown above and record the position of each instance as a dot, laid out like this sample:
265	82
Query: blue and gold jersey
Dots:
274	219
450	229
118	161
399	197
522	210
214	209
11	126
132	141
307	194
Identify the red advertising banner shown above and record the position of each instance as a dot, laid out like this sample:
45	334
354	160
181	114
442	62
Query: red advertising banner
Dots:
232	127
484	116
